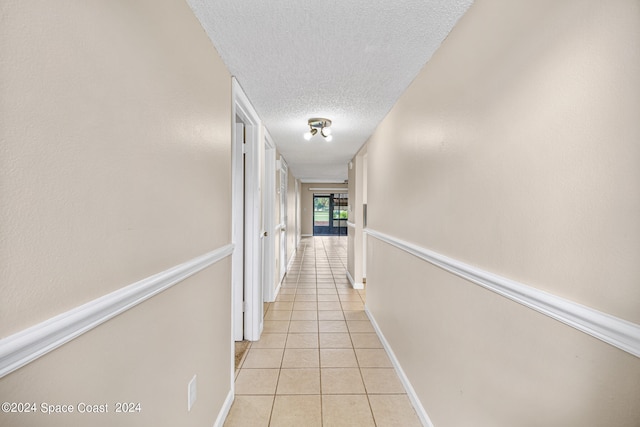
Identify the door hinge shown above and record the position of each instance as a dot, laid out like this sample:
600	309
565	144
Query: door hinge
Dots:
244	148
244	306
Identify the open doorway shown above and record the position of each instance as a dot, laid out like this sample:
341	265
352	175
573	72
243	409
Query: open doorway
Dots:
247	275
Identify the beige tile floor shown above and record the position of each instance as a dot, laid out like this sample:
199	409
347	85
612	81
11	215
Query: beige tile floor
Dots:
319	361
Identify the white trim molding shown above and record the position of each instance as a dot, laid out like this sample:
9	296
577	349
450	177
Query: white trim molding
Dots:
618	332
224	411
307	235
341	190
411	393
21	348
351	224
354	285
290	262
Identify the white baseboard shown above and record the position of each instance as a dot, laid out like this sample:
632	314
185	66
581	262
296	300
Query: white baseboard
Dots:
293	256
23	347
277	291
411	393
354	285
224	411
306	235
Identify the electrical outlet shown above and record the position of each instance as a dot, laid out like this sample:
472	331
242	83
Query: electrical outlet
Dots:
191	392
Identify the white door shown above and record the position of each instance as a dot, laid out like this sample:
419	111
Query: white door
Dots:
237	262
247	299
283	218
268	220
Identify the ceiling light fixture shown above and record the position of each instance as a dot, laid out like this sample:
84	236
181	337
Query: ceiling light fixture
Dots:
321	124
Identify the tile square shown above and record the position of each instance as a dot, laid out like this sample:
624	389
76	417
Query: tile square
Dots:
348	305
373	358
301	358
299	381
330	315
296	411
347	291
382	381
268	340
286	291
275	326
306	297
277	315
360	326
350	410
285	297
335	341
327	291
341	381
328	297
350	297
326	285
304	315
263	358
303	326
332	326
250	411
366	340
302	341
338	358
305	305
393	410
306	291
282	305
330	305
257	381
355	315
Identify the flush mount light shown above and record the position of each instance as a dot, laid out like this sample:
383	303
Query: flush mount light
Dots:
320	124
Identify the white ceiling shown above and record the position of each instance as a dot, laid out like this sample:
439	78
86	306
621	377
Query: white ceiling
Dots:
346	60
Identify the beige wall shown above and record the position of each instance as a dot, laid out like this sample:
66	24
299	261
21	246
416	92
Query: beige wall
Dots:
306	204
115	166
514	150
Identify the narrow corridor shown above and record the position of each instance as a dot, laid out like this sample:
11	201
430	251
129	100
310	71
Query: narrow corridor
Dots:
319	361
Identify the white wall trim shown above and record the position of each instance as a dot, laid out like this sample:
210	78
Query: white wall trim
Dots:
341	190
23	347
411	393
354	285
293	255
618	332
351	224
224	411
307	235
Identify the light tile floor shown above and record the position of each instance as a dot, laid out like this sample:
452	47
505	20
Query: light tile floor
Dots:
319	361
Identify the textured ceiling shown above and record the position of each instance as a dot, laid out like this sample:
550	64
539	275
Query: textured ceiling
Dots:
346	60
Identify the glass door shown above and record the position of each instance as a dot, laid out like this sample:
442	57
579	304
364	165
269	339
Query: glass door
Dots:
330	214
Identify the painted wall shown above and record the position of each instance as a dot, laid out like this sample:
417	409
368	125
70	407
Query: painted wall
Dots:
306	204
515	150
115	151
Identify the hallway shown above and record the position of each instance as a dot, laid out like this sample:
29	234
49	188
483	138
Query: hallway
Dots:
319	361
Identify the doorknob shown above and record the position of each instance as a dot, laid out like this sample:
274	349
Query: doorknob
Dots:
265	234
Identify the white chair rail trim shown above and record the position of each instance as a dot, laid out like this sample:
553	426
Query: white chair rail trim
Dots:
27	345
618	332
351	224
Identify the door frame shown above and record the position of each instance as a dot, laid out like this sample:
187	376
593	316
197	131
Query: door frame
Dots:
247	322
284	180
268	219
